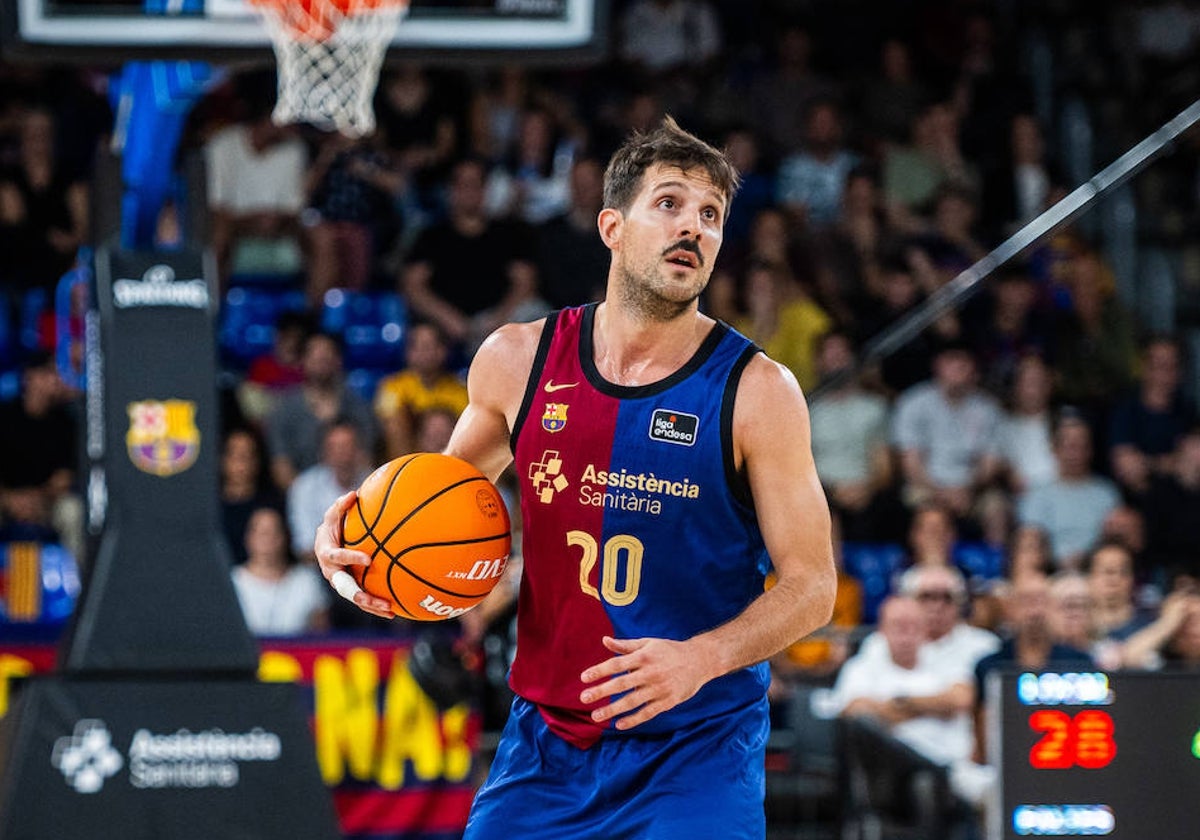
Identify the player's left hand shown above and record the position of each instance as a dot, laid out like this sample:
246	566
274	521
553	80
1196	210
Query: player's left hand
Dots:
653	675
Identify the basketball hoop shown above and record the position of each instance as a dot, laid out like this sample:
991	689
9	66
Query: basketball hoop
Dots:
329	54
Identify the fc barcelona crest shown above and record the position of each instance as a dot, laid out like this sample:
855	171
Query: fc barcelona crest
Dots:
163	439
555	418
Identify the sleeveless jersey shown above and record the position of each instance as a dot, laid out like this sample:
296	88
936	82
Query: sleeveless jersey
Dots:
636	522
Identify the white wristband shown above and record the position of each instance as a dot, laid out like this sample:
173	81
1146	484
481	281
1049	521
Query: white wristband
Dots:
345	585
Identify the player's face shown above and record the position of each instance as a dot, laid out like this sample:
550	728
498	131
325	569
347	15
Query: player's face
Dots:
668	240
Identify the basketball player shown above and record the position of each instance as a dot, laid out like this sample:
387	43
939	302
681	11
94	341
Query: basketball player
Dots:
665	465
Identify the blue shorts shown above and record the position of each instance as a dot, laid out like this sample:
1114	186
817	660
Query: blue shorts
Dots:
703	781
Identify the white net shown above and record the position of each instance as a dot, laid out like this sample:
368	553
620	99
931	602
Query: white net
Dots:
329	59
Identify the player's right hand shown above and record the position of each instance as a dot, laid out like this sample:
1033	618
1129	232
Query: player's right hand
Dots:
333	560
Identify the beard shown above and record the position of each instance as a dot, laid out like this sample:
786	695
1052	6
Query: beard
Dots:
644	292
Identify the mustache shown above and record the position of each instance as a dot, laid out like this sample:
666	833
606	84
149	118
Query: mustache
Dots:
688	245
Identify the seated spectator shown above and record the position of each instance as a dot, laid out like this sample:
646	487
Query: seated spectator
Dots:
1031	646
1115	613
1072	619
278	597
282	368
245	486
424	384
533	182
893	99
43	208
434	426
923	706
945	431
255	194
294	426
756	191
1096	346
849	440
344	465
1026	430
1018	189
811	178
1172	640
783	319
949	240
38	459
849	255
1029	551
350	189
464	265
572	261
1146	425
661	37
780	97
1173	539
1071	509
913	173
897	295
1006	327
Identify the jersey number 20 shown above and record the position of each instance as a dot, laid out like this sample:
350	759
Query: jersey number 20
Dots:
613	590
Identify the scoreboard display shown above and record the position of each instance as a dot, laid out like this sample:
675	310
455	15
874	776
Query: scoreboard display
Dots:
1094	754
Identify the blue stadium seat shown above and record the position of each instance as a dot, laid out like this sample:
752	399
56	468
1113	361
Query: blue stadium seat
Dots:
875	566
372	326
363	381
34	304
248	317
979	561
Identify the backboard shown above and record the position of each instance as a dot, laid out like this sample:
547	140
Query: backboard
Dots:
540	30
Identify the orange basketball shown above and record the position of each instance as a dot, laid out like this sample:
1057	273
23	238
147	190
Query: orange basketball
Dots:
437	532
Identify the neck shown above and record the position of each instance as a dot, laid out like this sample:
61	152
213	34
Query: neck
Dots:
632	348
266	566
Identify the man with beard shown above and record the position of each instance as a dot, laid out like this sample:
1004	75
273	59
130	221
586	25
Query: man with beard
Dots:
665	464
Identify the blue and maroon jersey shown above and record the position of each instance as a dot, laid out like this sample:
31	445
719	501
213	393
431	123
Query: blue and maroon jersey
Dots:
636	521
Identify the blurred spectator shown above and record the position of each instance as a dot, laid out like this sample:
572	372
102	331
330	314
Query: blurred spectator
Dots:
1115	614
1031	647
255	195
434	426
533	182
931	536
849	440
945	431
1005	327
912	174
1029	551
1026	430
781	96
1071	509
849	254
43	209
811	178
756	191
1072	619
424	384
278	597
572	261
420	131
897	296
1170	509
1173	639
350	189
38	459
949	240
658	37
343	466
495	112
772	240
783	319
1147	424
294	426
893	99
1018	190
923	705
1096	346
464	265
245	487
273	373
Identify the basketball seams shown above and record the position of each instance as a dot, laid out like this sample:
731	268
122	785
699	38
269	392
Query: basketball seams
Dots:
396	563
388	492
424	504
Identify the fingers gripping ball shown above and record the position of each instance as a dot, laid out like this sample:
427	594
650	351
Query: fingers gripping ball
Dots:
437	532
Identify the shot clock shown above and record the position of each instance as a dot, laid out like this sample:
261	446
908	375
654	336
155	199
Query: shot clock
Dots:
1094	754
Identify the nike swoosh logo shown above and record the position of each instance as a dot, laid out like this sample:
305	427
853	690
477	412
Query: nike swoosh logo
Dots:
551	387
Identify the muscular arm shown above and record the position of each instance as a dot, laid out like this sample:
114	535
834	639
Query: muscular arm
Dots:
495	385
794	518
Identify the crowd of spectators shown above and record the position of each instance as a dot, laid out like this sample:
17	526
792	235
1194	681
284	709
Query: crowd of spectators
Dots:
884	148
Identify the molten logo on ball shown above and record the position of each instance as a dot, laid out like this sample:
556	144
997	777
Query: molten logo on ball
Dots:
437	532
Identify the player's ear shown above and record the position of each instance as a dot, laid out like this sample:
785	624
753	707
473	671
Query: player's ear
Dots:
609	223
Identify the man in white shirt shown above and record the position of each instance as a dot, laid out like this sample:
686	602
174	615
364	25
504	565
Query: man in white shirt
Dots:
255	194
343	466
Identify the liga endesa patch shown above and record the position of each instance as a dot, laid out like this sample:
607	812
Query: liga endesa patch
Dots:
674	426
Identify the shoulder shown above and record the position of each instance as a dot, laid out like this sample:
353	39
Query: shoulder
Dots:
503	362
768	393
